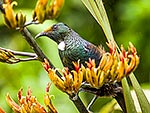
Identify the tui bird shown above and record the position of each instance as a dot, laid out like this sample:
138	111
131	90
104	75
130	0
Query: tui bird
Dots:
71	46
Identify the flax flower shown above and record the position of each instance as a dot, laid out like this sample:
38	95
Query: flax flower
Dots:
112	68
30	104
12	20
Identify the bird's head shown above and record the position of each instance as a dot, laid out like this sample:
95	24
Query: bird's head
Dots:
57	32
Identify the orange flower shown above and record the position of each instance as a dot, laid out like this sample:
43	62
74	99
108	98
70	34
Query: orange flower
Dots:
43	12
12	20
9	15
70	82
29	103
1	110
40	11
54	9
112	67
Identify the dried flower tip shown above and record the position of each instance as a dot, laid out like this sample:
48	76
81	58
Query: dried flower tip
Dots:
112	47
91	63
76	65
20	93
46	65
48	87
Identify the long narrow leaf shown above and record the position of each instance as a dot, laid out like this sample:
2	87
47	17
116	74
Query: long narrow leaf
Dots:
145	106
130	107
106	27
97	9
88	6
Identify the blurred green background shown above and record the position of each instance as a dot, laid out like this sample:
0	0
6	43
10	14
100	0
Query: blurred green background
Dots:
130	22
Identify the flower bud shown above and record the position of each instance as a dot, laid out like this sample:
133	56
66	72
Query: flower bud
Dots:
54	9
21	19
9	15
40	11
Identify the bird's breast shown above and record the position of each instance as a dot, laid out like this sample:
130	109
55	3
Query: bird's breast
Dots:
78	50
62	46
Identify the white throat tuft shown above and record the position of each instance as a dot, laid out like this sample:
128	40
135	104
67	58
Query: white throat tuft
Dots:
61	46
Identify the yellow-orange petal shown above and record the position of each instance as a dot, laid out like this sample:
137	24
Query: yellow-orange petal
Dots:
54	9
9	15
1	110
40	11
48	103
12	103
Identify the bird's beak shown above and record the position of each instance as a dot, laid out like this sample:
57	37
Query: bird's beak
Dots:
40	34
44	33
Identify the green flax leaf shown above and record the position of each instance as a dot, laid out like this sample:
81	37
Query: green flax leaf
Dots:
97	9
128	98
144	104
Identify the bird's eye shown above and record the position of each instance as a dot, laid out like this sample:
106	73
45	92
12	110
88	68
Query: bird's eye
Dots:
55	27
66	25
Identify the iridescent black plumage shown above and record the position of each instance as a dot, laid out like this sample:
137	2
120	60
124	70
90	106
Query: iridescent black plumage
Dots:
71	46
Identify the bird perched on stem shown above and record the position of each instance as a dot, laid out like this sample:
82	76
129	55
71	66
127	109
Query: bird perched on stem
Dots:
71	46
